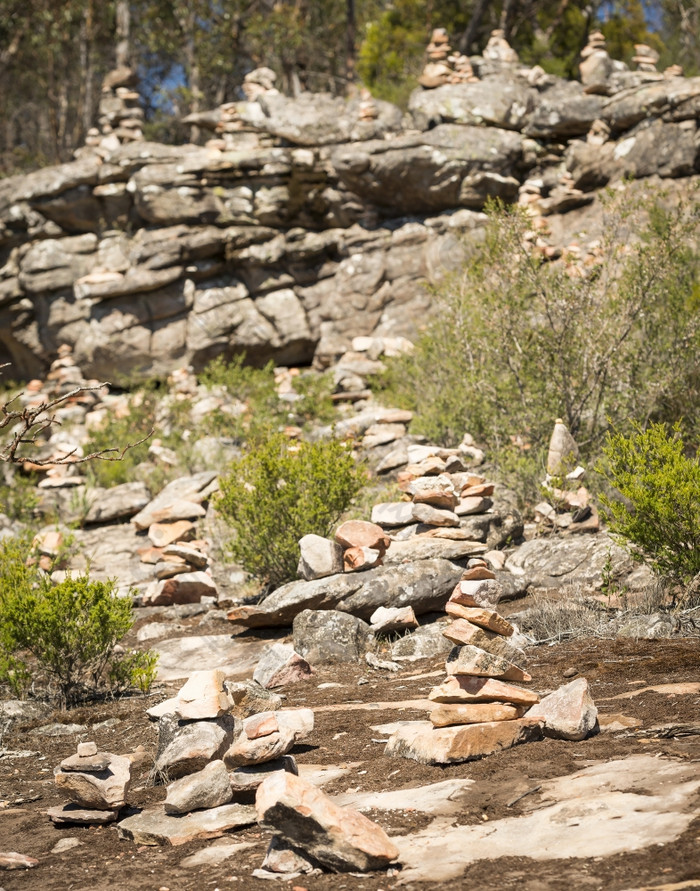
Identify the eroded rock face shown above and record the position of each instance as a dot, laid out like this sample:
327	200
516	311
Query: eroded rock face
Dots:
157	256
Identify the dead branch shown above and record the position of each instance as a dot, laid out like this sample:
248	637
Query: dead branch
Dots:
28	423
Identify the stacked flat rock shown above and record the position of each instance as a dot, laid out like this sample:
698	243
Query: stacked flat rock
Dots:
121	115
596	65
443	66
499	52
645	58
368	109
96	783
357	545
479	709
569	509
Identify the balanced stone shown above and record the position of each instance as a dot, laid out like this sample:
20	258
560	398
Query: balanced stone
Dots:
474	661
478	713
484	618
476	592
209	787
461	688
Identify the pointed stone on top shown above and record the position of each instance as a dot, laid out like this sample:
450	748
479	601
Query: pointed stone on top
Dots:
563	451
203	696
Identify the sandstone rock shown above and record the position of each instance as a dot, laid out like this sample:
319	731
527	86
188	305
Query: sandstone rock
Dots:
191	555
248	778
250	698
186	587
300	720
14	860
422	742
477	593
461	713
73	814
361	534
422	548
484	618
462	688
262	724
392	514
475	662
326	636
95	763
425	642
462	633
319	557
209	787
162	534
472	504
360	559
203	696
103	790
342	839
433	516
87	748
245	751
386	619
563	451
551	562
281	858
569	712
187	747
180	500
281	665
154	827
117	503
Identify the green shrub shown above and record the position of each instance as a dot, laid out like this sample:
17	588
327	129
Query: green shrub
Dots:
518	340
280	492
658	517
63	636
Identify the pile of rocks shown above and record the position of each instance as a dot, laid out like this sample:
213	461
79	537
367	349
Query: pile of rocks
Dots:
645	57
181	564
96	784
596	65
121	115
570	508
479	710
444	66
499	53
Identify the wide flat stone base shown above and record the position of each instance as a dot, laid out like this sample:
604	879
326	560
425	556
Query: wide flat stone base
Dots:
155	827
422	742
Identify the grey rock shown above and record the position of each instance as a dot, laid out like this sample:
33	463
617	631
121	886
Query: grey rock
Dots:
568	713
248	778
75	814
185	747
393	514
653	627
551	562
250	698
497	102
328	636
103	790
154	827
319	557
118	503
209	787
426	642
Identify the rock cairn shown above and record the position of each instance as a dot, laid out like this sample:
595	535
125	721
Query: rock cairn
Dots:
443	66
645	58
96	784
596	65
121	115
499	52
570	508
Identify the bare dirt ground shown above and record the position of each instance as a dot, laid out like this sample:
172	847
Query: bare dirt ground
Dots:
665	724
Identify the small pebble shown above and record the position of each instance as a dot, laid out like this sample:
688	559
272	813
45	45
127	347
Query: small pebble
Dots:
571	672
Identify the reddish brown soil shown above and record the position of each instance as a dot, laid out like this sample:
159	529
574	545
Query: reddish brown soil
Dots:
344	736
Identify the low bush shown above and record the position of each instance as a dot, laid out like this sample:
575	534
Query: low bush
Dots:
658	514
280	492
518	340
61	638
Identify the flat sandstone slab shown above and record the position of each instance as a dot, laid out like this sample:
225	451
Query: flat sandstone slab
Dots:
479	713
461	688
155	827
422	742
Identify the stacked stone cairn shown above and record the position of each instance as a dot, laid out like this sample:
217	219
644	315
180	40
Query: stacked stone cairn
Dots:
596	65
96	784
498	52
480	707
645	58
444	66
121	115
368	110
569	508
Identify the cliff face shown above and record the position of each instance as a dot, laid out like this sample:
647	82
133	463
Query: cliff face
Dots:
319	225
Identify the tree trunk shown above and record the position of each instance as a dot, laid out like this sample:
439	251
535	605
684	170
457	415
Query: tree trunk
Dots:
469	35
123	49
350	38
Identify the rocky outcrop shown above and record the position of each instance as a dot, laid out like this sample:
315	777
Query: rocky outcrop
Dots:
315	220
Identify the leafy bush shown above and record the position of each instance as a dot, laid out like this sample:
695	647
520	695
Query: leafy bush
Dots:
280	492
519	340
658	517
62	637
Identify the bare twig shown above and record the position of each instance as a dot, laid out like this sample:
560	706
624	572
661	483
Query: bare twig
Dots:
29	425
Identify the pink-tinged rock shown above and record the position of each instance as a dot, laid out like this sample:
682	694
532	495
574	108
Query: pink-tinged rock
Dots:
477	592
358	559
187	587
209	787
162	534
461	688
194	556
151	556
203	696
341	839
439	498
262	724
13	860
362	534
472	504
484	618
569	712
106	790
280	666
478	713
434	516
245	751
474	661
248	779
481	489
422	742
392	618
